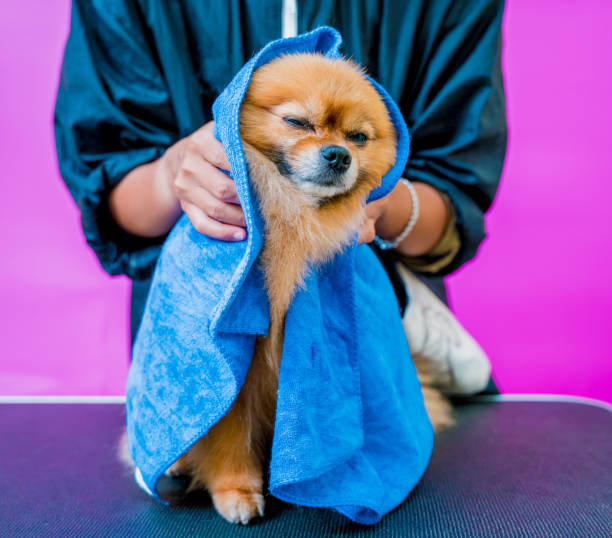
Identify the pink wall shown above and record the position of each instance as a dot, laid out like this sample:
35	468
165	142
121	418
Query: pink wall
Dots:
537	297
63	322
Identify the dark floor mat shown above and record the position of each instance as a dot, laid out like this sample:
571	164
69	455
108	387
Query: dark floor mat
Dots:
506	469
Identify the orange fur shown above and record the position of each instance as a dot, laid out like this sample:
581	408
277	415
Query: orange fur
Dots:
301	229
438	407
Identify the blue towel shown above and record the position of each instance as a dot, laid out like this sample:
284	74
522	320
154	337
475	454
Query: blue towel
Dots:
351	431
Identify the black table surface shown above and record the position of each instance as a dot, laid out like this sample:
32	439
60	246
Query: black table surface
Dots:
506	469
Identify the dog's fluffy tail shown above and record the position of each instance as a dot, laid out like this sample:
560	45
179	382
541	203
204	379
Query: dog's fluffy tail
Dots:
123	452
438	407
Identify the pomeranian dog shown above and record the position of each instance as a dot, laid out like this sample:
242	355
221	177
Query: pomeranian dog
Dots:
317	139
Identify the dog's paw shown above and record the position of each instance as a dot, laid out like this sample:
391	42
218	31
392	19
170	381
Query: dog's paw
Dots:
238	506
178	468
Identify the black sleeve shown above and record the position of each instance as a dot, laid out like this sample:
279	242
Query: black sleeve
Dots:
454	105
112	114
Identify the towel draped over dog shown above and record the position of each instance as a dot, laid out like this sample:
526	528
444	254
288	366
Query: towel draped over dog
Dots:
351	431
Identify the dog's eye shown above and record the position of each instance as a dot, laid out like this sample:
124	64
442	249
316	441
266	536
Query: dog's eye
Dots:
358	138
303	124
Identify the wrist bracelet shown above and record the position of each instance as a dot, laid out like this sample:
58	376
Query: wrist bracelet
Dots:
414	216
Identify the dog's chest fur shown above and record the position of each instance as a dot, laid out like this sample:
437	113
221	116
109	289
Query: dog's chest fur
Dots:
299	234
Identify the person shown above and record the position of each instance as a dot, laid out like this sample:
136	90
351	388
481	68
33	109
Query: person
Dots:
135	139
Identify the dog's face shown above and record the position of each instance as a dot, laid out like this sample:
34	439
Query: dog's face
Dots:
322	124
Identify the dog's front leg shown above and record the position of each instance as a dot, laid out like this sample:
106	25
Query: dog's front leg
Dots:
227	463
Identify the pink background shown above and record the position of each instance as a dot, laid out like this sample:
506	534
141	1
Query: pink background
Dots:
538	297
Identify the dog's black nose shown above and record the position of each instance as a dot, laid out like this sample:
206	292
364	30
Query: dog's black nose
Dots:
337	157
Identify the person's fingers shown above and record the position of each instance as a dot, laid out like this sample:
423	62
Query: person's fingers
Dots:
367	232
233	200
196	171
214	153
219	210
204	143
375	209
210	227
219	185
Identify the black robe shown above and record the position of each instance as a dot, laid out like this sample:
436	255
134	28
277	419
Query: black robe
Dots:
139	75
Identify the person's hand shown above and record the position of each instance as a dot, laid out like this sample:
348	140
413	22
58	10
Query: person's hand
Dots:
205	193
373	211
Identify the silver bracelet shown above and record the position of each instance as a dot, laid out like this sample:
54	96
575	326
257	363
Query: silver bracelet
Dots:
414	216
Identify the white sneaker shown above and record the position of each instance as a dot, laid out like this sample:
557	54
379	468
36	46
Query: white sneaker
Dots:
452	360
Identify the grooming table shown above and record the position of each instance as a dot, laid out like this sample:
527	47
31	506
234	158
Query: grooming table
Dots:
509	468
